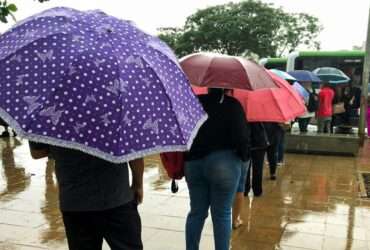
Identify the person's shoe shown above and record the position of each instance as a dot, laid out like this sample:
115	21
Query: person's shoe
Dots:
280	163
257	194
273	177
238	223
246	192
5	134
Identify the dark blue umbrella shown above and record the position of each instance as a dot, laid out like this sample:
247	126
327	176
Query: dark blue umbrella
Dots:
304	76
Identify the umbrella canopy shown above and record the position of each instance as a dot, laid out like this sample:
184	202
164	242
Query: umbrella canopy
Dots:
301	91
280	104
331	75
296	86
304	76
216	70
270	105
95	83
284	75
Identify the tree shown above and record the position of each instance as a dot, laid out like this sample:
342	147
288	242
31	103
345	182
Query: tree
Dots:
297	29
244	28
7	10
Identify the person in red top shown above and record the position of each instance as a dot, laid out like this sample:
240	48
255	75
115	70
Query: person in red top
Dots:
325	110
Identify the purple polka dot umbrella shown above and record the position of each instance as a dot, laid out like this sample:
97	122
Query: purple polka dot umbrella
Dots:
95	83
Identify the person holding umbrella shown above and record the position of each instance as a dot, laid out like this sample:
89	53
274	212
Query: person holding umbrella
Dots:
281	133
307	79
94	92
224	132
311	103
213	167
103	205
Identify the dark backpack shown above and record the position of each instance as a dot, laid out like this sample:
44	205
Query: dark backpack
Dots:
313	102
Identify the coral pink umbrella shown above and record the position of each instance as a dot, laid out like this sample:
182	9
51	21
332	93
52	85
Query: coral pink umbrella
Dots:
223	71
270	105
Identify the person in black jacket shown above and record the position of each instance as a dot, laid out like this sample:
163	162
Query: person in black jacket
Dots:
96	199
213	167
264	141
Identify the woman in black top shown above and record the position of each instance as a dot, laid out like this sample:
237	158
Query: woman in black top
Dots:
213	167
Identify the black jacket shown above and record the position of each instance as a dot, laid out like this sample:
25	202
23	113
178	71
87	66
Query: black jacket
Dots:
225	129
264	134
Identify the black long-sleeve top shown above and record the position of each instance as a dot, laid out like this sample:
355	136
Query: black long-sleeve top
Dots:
225	129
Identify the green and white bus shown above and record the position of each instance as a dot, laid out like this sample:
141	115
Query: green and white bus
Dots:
350	62
274	63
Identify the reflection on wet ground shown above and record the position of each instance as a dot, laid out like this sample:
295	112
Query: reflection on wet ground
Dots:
314	204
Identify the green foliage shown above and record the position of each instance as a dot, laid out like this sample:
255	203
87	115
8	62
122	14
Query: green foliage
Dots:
245	28
12	7
297	29
7	10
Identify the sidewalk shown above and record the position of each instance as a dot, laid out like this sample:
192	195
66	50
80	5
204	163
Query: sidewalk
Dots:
312	205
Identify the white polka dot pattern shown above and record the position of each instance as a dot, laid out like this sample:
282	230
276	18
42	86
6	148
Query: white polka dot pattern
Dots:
89	81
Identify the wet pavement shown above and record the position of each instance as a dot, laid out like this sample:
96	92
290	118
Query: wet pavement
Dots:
314	204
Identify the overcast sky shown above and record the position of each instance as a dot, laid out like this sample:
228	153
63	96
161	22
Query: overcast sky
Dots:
344	21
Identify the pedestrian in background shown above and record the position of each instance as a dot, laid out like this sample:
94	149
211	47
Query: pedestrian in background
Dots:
325	110
311	105
264	140
281	142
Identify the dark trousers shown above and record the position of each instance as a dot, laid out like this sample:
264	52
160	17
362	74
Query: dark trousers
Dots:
272	158
303	124
256	167
280	146
258	157
120	227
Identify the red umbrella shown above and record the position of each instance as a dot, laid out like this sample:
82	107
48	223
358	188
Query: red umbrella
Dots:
271	105
279	104
216	70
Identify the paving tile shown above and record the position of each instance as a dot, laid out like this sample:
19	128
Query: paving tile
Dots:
18	218
20	235
261	235
344	244
175	241
344	232
289	248
302	240
307	227
312	205
13	246
243	244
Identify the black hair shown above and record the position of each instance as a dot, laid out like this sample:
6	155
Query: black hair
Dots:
218	93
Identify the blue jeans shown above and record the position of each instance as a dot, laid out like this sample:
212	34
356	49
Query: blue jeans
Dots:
212	183
243	176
